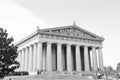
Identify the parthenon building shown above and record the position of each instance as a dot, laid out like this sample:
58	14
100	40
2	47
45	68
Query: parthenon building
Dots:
68	48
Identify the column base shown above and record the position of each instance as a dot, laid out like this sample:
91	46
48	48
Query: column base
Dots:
33	73
80	73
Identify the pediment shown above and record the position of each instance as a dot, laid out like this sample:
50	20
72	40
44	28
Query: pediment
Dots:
73	31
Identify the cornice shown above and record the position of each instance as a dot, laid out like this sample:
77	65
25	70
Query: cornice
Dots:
26	38
81	37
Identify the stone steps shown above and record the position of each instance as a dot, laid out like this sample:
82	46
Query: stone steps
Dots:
48	77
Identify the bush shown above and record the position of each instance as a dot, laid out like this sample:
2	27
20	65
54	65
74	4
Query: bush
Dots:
19	73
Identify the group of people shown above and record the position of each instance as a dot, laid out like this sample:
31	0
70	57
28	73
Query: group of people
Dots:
99	74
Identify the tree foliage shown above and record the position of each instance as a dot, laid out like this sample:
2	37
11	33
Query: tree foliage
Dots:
109	70
8	54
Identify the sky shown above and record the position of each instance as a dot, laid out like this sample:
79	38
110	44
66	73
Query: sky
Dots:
102	17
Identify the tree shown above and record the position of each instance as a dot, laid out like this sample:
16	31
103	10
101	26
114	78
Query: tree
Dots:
8	54
118	70
109	71
109	68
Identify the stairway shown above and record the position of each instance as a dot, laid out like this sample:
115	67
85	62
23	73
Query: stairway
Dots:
48	77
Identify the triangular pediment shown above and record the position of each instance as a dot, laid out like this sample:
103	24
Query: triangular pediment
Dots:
73	31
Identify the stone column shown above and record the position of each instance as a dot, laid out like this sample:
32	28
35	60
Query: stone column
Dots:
69	60
34	57
94	59
44	58
26	59
49	57
30	58
78	58
59	57
22	60
86	59
101	65
39	56
19	58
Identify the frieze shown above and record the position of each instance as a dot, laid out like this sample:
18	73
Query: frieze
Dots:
72	32
69	38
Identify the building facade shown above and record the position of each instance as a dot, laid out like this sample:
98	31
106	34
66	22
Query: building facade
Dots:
67	48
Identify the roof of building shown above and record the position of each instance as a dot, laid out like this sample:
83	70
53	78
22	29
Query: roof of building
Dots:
69	31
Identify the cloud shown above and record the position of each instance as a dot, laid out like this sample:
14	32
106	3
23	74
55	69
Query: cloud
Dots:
18	20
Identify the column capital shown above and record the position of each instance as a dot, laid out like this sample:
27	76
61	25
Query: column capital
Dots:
22	49
85	46
35	43
78	45
68	44
59	43
31	45
27	47
93	46
39	42
49	42
100	47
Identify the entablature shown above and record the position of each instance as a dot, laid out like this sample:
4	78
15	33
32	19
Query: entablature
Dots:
69	38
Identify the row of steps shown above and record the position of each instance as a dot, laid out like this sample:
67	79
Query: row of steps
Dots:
48	77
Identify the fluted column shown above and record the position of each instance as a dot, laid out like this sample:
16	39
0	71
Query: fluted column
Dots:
59	57
26	59
34	57
100	55
30	58
94	59
49	57
69	60
86	59
19	58
39	56
78	58
22	60
21	64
